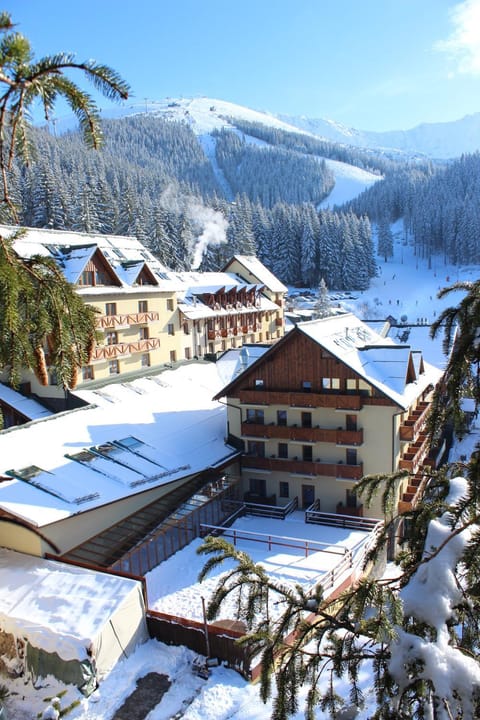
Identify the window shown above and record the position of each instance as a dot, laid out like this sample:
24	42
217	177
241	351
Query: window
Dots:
259	383
351	498
351	385
110	308
255	416
113	367
143	333
146	360
326	383
351	422
173	356
171	329
307	453
282	450
188	354
87	278
351	457
186	329
169	303
307	386
282	417
101	278
142	306
306	419
258	486
111	338
87	373
256	448
284	490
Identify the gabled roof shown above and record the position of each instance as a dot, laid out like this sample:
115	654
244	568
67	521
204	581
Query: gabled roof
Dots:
74	261
134	270
255	267
395	370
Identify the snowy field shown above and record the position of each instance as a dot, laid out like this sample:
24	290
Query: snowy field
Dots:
405	286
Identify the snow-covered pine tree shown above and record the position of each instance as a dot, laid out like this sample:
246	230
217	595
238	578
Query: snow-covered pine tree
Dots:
384	239
323	306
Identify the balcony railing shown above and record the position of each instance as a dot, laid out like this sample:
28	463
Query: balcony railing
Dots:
111	352
415	422
412	495
415	454
126	319
338	436
301	399
305	467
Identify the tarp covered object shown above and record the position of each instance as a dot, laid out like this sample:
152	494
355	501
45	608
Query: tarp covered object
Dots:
68	621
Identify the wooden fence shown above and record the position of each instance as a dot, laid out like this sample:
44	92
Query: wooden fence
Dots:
211	640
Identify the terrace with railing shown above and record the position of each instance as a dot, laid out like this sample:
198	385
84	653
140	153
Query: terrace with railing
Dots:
126	319
337	435
124	349
337	401
305	467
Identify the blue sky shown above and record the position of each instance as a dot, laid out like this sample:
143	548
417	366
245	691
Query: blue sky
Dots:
369	64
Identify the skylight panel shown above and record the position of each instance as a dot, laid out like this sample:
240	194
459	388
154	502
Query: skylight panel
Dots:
132	460
107	467
47	482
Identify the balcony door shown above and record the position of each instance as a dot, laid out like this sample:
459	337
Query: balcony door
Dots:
308	495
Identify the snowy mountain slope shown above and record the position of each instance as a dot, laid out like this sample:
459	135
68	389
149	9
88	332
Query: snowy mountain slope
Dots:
350	181
204	115
436	140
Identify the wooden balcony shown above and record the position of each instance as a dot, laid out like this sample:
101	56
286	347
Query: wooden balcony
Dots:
112	352
126	319
413	493
415	422
301	399
303	434
304	467
415	454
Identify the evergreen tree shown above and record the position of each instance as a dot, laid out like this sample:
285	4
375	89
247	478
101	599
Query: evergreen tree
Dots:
323	306
385	240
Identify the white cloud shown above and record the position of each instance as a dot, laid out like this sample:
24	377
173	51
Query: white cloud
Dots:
463	45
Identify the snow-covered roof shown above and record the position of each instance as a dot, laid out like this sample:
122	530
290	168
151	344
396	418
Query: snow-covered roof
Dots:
29	408
58	607
240	359
72	250
378	360
132	437
258	270
195	284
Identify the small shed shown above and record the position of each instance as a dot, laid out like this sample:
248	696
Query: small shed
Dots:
66	621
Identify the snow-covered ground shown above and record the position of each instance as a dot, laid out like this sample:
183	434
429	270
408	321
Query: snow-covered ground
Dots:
405	286
173	586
